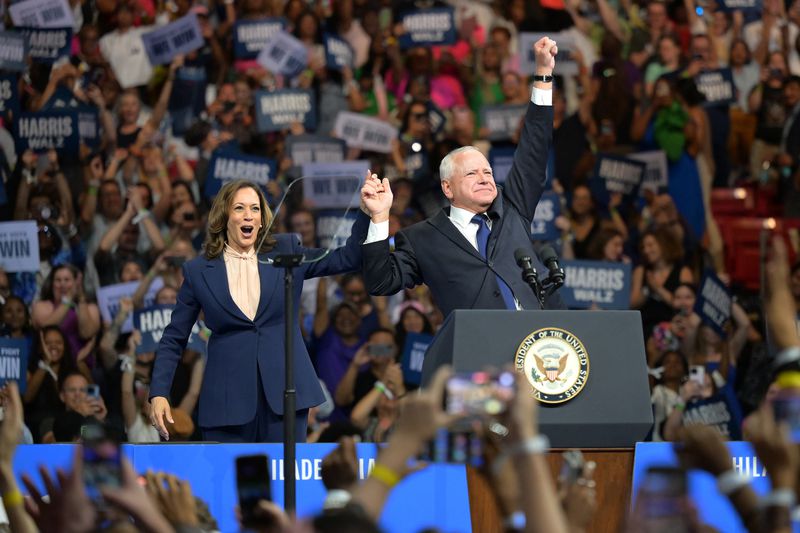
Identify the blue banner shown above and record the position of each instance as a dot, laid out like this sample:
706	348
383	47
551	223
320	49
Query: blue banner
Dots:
338	52
307	148
436	119
500	159
13	361
604	284
414	356
151	322
179	37
210	470
616	174
9	94
713	508
89	126
714	301
334	226
228	165
717	86
543	227
427	27
249	36
747	6
13	49
49	129
46	45
277	110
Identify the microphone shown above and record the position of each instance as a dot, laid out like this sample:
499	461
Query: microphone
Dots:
525	262
550	260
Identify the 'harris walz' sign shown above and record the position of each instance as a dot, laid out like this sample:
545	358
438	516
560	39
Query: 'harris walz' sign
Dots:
226	166
747	6
250	36
714	302
614	174
9	96
277	110
428	27
604	284
151	323
46	45
548	209
13	49
716	86
52	129
338	53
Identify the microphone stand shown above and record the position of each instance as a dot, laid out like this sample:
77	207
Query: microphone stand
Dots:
529	277
289	262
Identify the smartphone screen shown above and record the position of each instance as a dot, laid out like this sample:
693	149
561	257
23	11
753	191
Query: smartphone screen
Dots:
101	461
662	500
479	394
252	484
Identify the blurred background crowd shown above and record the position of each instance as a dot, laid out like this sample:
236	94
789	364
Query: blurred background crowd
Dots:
133	208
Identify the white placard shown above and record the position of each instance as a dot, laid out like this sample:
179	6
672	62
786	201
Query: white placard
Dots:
333	185
367	133
19	246
42	14
108	298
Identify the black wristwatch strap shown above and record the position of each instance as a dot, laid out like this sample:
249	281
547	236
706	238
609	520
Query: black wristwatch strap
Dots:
545	79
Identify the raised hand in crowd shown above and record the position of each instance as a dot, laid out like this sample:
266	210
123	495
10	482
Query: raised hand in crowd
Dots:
779	306
340	467
132	498
173	497
11	428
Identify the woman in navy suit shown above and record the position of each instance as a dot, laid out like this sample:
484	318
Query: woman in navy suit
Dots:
242	299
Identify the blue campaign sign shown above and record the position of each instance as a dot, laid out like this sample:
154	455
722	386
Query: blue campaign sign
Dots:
414	356
426	27
714	509
9	94
151	322
543	227
616	174
438	494
747	6
13	361
226	165
717	86
338	52
436	119
46	45
277	110
500	159
13	49
89	126
714	301
334	226
601	283
48	129
250	36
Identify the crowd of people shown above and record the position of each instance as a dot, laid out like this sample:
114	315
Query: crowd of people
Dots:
133	208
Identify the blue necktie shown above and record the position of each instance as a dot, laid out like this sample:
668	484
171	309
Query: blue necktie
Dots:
483	241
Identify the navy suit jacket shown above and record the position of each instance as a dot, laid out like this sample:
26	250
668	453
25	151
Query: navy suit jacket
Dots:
434	252
241	350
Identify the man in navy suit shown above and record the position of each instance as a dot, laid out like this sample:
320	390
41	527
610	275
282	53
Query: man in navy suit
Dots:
242	299
465	253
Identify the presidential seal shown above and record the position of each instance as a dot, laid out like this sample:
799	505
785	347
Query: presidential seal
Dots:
555	363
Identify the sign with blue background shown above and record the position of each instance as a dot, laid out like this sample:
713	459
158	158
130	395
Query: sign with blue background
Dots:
250	36
13	49
338	52
46	45
13	362
151	323
9	94
602	283
616	174
48	129
500	159
717	86
277	110
428	27
414	349
227	165
714	302
543	227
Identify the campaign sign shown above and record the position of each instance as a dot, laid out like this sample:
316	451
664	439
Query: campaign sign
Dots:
46	45
9	94
527	58
501	159
502	120
367	133
19	246
716	86
338	52
602	283
277	110
13	362
284	54
13	48
151	323
48	129
543	227
89	126
427	27
309	148
179	37
42	14
714	302
250	36
436	119
656	174
616	174
334	227
225	166
713	508
414	356
108	298
333	185
746	6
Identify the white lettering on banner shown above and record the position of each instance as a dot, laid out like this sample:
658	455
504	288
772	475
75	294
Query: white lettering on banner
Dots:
288	103
10	52
715	295
715	414
45	126
620	176
340	50
311	469
595	278
417	356
739	4
715	87
228	169
10	366
47	39
749	466
256	32
427	22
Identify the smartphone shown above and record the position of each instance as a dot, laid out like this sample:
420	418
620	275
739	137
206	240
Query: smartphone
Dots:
175	260
93	391
697	373
786	406
380	350
479	394
572	467
662	500
252	485
101	461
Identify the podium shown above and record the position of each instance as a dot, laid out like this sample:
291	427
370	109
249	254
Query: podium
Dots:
612	410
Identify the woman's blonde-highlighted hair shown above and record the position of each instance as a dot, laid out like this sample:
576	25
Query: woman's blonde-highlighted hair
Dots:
217	229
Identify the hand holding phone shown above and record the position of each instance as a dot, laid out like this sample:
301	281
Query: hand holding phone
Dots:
252	486
101	461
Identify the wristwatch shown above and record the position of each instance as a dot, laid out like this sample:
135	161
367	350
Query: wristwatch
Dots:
548	78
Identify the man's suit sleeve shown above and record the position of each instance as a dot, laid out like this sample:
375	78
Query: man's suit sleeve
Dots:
344	259
528	175
173	341
387	272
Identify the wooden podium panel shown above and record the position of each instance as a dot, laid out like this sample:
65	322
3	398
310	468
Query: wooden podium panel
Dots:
614	475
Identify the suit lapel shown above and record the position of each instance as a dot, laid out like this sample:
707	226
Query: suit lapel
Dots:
442	223
268	276
216	278
495	212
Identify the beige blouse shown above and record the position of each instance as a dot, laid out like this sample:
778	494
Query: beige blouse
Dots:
243	280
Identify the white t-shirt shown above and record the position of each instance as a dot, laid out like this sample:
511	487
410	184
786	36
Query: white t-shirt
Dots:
127	56
141	431
752	36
